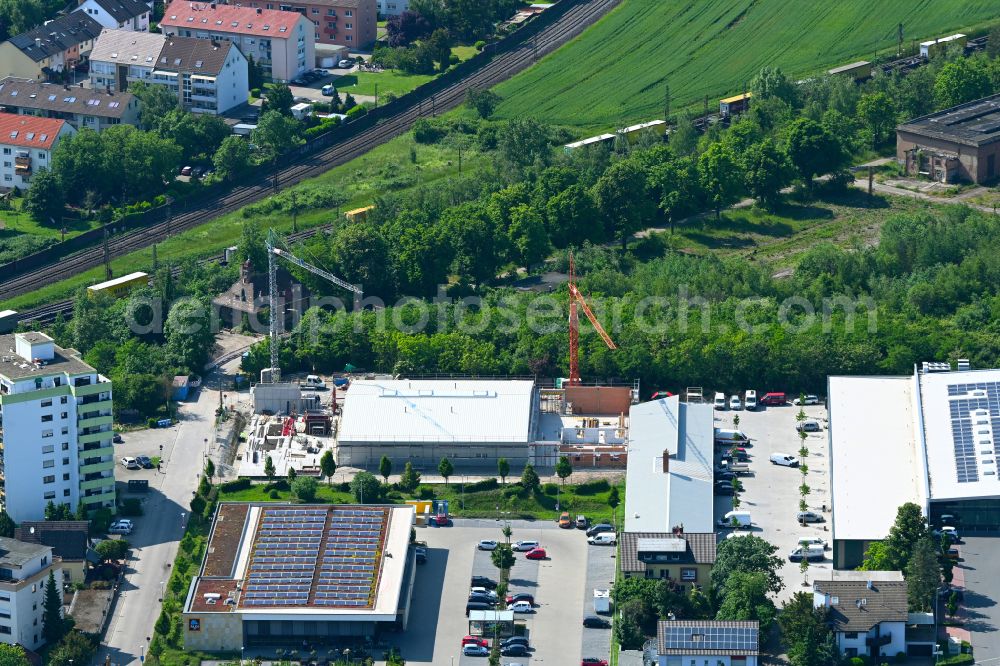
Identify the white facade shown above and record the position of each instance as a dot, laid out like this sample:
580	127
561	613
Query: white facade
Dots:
24	570
392	7
56	413
94	9
702	660
19	162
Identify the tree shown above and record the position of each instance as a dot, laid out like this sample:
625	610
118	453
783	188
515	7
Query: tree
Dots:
527	235
278	98
923	576
798	619
960	81
771	82
385	468
275	134
908	529
232	159
813	150
503	469
209	469
327	465
6	524
305	489
720	177
765	172
623	200
53	624
255	73
876	558
564	468
523	141
613	499
55	511
438	48
484	101
503	558
155	102
138	163
252	247
405	28
112	550
78	161
746	598
529	478
291	475
445	469
361	255
189	332
269	470
572	218
13	655
747	554
680	191
45	201
684	138
877	114
74	648
409	479
816	647
365	486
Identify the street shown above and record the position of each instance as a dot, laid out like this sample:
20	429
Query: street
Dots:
157	533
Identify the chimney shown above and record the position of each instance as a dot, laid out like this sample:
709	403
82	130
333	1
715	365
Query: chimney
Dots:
38	42
666	461
870	585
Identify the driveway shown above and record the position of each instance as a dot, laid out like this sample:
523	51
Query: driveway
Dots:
982	592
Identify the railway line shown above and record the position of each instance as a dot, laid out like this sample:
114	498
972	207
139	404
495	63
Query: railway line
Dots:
501	67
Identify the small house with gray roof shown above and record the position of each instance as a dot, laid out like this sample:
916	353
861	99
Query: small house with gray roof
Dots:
868	615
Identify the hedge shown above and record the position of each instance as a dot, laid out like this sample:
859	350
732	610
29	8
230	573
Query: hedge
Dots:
242	483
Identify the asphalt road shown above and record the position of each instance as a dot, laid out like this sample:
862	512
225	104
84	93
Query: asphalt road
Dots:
157	533
982	593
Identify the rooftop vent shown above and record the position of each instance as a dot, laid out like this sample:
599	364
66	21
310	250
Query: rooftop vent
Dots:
963	364
934	366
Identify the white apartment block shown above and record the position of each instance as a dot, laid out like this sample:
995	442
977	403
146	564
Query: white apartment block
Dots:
392	7
130	15
55	429
207	76
283	43
24	571
26	145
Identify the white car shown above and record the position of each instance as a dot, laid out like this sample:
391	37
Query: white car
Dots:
735	403
123	526
751	400
484	591
809	400
720	401
130	463
345	64
521	607
487	544
525	546
475	651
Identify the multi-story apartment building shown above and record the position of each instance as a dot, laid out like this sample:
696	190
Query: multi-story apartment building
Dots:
208	76
50	49
24	570
283	43
55	429
122	14
80	107
26	145
392	7
350	23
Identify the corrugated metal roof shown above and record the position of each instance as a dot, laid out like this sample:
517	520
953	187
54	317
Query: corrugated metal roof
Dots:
463	410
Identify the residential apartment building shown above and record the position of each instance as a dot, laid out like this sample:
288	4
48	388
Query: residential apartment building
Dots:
50	49
56	428
392	7
207	76
867	611
26	145
283	43
121	14
350	23
24	570
69	540
682	558
80	107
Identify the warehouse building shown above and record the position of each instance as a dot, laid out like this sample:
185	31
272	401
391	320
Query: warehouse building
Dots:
470	422
958	144
931	440
294	575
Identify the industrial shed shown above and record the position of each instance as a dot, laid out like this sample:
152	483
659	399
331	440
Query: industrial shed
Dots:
471	422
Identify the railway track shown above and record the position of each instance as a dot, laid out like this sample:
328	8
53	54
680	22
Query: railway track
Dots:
500	68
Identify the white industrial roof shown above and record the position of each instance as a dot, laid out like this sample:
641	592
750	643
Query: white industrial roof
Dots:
657	502
961	418
874	464
439	410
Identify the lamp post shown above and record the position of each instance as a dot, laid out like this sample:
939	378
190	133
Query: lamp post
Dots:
463	492
161	590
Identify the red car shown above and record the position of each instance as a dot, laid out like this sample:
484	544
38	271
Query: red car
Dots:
441	519
537	554
520	596
475	640
593	661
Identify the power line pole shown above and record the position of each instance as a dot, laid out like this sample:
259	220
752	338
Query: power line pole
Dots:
107	255
666	103
899	35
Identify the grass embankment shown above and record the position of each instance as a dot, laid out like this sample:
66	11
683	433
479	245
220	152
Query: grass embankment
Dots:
385	168
616	72
390	80
13	222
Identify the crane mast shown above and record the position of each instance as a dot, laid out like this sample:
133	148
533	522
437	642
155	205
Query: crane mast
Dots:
575	297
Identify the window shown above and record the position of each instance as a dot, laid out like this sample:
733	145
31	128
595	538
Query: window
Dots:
64	399
348	26
49	479
65	446
6	151
350	38
46	418
65	430
689	574
348	13
65	461
330	24
46	464
7	164
66	492
851	634
46	433
66	477
48	448
64	415
49	495
47	403
4	629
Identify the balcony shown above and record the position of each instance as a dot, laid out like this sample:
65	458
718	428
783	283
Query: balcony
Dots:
96	437
102	401
331	31
98	483
878	641
22	164
95	421
97	467
91	389
100	497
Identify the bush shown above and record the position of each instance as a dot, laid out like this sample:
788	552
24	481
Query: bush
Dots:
305	489
344	487
857	661
357	112
480	45
425	131
453	59
255	92
593	487
242	483
900	657
425	492
150	423
550	488
198	505
274	494
480	486
957	660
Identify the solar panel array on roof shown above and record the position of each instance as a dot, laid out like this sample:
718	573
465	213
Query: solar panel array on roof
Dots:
975	417
707	637
350	560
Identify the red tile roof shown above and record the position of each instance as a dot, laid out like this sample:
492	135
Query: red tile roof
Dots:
248	20
30	131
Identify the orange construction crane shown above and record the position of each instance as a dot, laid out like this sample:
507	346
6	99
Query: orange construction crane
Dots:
574	326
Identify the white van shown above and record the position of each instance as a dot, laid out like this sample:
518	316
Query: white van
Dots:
750	401
313	382
735	519
720	400
784	459
603	539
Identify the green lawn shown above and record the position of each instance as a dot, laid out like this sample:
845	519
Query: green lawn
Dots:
363	83
615	72
387	167
14	222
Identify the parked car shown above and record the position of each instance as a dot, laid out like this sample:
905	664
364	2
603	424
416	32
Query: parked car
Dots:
952	554
482	599
299	81
809	517
487	544
735	403
345	64
724	475
121	526
809	426
813	541
130	463
537	554
484	591
593	661
186	171
751	400
784	459
809	400
720	401
598	528
948	532
521	596
774	399
946	590
477	605
525	546
514	650
421	555
724	488
581	522
515	640
565	521
594	622
320	72
475	640
602	539
483	581
521	607
327	90
811	553
475	651
144	461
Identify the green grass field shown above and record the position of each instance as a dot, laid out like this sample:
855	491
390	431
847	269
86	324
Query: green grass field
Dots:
398	83
615	72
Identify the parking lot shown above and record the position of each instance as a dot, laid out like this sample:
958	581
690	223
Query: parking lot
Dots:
771	492
437	620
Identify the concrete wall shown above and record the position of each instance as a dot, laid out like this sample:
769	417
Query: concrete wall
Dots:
973	163
599	400
215	632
